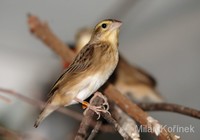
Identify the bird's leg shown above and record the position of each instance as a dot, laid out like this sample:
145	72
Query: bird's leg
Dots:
84	103
96	109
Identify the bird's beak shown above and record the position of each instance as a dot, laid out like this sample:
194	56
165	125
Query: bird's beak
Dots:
115	25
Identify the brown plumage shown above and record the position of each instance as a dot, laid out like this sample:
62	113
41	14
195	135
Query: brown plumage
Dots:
89	70
136	83
129	79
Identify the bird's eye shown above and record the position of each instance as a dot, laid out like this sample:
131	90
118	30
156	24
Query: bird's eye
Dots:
104	25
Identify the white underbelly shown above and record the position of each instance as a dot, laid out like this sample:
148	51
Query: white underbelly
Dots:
89	85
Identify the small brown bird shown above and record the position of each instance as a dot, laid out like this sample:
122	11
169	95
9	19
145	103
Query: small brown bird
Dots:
89	71
130	80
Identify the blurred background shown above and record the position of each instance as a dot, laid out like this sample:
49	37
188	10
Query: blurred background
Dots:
160	36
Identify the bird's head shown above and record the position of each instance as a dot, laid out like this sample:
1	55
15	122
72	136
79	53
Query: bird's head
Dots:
107	30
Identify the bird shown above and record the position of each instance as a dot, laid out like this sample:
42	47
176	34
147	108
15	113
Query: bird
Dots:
131	80
89	70
135	83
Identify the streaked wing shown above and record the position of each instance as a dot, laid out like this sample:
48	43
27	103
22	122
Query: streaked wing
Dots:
81	62
135	74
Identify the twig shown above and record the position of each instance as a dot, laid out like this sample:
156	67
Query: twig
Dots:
87	120
127	123
43	32
84	126
12	135
9	134
95	130
83	130
112	121
134	111
5	99
171	108
40	104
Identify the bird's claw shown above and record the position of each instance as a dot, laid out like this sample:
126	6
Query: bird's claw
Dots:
98	109
103	110
106	106
105	103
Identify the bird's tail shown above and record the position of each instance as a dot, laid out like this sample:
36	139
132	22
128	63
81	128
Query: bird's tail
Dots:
48	109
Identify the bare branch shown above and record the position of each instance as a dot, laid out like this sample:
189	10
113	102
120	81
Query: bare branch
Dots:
83	131
112	121
40	104
5	99
133	110
127	123
95	130
42	31
171	108
89	115
13	135
9	134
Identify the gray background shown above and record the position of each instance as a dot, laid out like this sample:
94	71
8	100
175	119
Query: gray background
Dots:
161	36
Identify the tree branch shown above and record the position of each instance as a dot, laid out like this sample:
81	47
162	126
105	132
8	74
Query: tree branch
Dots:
95	130
42	31
89	115
134	111
65	111
118	128
83	131
9	134
171	108
127	123
5	99
12	135
40	104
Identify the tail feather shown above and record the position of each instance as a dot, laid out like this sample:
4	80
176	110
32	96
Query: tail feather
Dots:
44	113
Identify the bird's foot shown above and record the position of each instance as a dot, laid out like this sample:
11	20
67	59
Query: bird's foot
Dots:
105	104
97	109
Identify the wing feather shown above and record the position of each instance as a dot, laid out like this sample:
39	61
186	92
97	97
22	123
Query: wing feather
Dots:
81	62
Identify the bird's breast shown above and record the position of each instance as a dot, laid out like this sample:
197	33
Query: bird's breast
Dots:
88	86
96	76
